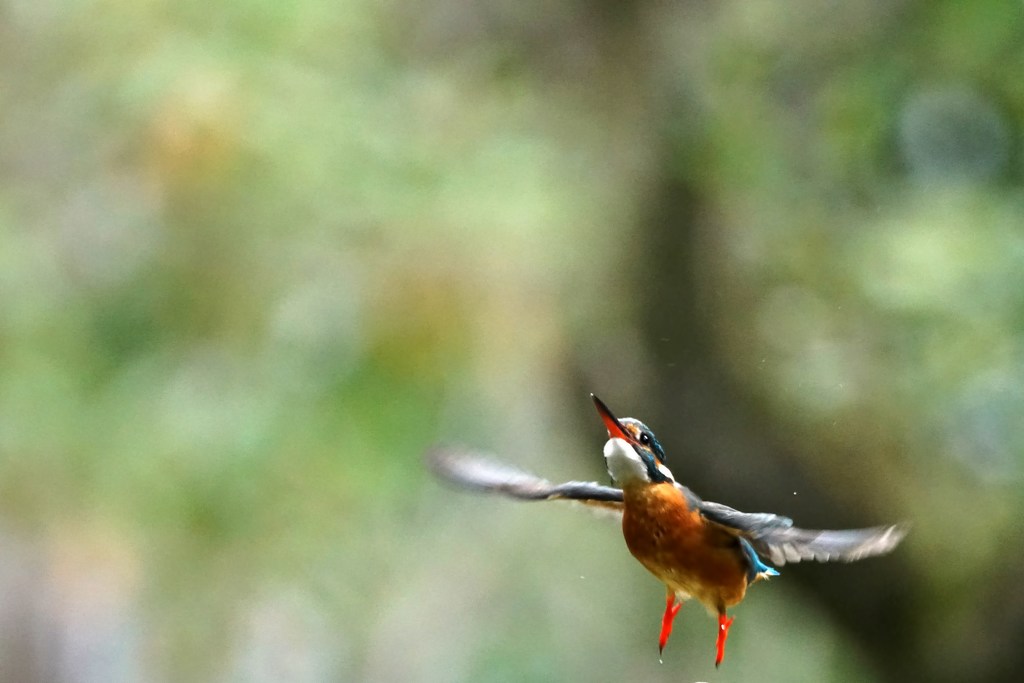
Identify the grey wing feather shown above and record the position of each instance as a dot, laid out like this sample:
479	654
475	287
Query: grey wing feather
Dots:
473	471
776	539
848	545
773	536
754	522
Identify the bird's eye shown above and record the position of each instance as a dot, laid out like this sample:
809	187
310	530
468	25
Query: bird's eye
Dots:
644	439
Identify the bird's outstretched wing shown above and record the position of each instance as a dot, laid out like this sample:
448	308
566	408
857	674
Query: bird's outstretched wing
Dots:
775	538
475	471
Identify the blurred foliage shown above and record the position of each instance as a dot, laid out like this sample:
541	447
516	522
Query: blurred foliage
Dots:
256	256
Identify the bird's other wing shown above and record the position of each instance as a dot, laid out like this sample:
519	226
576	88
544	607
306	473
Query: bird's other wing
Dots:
847	545
752	523
775	538
477	472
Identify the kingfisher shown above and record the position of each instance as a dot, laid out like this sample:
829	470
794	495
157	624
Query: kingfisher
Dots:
696	548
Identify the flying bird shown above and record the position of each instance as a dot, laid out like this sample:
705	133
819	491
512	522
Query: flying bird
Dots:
696	548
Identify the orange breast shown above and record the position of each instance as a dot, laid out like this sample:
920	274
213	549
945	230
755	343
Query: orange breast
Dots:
676	545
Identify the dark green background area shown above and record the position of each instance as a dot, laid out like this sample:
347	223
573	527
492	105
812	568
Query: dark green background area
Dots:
255	257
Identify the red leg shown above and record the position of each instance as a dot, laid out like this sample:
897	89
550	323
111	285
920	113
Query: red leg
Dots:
671	609
724	623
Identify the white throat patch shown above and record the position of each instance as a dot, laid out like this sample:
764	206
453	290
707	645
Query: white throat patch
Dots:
624	463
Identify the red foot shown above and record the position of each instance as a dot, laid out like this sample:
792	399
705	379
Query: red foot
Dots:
724	623
671	609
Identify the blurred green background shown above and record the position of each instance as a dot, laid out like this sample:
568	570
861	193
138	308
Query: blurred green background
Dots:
256	256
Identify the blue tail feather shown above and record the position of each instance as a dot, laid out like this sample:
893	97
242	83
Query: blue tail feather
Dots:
756	568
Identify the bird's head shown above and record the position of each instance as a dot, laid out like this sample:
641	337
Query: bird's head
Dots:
632	452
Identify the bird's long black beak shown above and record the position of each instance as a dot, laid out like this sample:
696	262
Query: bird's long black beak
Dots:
611	423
